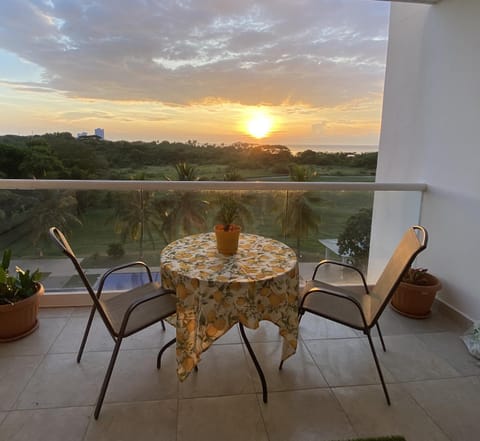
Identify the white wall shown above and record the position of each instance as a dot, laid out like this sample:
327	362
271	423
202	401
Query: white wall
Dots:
431	133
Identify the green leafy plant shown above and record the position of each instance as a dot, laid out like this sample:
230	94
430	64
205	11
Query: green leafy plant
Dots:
354	241
418	276
14	288
228	212
232	209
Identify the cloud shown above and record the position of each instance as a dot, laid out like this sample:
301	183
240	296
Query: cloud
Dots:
320	53
27	87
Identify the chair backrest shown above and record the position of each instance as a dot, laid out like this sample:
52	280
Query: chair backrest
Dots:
412	243
62	243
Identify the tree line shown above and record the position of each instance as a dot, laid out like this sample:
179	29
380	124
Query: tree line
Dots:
61	156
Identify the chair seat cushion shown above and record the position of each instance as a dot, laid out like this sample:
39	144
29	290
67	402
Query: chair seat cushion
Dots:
336	308
143	315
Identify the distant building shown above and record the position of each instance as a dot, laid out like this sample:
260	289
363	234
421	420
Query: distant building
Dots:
100	133
86	137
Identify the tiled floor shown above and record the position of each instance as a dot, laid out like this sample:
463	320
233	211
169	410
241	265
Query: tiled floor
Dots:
329	390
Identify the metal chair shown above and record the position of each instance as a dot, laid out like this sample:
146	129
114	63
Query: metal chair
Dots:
123	315
361	310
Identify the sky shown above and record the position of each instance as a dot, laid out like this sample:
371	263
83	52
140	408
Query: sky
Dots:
215	71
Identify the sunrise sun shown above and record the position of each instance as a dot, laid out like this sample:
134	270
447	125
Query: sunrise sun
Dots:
259	125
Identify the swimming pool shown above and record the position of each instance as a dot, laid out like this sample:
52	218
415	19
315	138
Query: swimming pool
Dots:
123	281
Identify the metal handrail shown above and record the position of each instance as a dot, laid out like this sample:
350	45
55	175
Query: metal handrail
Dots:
125	185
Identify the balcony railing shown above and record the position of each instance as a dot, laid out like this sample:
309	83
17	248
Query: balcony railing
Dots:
110	222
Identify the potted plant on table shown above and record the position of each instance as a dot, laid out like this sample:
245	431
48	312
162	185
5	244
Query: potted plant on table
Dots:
227	232
416	293
232	212
19	299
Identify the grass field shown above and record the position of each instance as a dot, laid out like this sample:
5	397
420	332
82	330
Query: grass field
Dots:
92	238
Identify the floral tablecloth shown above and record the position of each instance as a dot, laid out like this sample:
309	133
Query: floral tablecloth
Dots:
214	291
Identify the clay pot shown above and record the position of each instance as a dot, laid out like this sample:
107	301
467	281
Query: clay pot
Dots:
415	301
227	241
20	319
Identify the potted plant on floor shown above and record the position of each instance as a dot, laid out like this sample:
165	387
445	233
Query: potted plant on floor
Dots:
416	293
19	299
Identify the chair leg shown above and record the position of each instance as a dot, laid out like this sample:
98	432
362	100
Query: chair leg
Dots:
381	338
85	334
163	325
378	367
165	346
106	380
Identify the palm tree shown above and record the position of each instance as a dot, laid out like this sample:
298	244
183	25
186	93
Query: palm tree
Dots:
298	217
186	172
51	208
136	217
182	212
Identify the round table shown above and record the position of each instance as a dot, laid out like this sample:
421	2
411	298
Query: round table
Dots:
215	291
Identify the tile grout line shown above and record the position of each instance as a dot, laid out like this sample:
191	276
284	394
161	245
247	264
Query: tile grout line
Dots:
43	356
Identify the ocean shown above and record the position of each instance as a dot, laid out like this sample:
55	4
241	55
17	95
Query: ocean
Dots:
334	148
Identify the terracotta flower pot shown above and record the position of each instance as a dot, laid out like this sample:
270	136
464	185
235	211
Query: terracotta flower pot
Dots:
227	241
20	319
415	301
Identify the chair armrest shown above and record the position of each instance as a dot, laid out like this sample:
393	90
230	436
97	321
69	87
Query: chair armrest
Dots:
345	265
120	267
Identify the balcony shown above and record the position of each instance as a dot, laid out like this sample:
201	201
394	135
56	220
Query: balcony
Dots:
328	390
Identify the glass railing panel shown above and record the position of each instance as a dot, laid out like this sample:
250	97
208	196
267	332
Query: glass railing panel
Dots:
110	227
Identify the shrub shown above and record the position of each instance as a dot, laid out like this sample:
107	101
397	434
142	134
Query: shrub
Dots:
116	250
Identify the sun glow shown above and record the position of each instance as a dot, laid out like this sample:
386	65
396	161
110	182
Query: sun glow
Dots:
259	125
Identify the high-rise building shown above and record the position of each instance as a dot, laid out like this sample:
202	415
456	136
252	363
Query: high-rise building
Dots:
100	133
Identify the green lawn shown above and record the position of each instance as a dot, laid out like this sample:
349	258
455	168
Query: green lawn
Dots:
92	238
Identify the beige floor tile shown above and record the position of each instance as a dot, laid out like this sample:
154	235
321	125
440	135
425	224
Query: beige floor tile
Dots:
231	337
68	341
345	362
38	342
437	322
150	421
99	338
61	381
451	348
370	415
452	403
392	323
408	359
232	418
15	372
3	415
307	415
135	377
55	312
266	332
81	311
222	370
153	337
46	425
298	372
313	327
